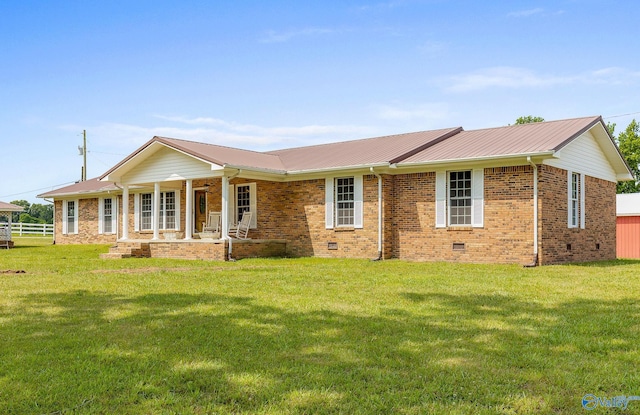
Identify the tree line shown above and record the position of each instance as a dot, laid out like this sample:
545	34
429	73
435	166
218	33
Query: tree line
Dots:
33	212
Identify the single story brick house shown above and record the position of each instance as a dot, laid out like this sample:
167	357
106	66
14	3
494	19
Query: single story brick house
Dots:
628	225
541	193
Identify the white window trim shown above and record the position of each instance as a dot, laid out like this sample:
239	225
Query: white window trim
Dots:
65	217
477	198
114	215
253	204
580	201
358	203
137	209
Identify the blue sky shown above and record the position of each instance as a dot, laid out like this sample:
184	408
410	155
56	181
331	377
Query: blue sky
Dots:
271	74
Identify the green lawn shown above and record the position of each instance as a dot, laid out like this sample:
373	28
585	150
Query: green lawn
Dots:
81	335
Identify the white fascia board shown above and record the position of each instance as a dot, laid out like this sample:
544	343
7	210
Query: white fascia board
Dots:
487	161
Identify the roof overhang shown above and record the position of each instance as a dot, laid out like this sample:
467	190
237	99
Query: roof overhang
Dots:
487	161
6	208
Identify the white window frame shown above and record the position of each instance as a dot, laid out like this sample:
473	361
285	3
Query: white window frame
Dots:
443	198
345	201
65	217
139	224
103	219
332	204
454	212
233	205
575	200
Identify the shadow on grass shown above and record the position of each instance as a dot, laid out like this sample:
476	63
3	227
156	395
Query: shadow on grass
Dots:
606	264
91	352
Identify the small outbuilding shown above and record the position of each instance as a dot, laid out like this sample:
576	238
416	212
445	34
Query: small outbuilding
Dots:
6	210
628	225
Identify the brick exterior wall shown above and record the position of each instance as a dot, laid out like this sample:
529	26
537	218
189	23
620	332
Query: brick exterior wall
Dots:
507	234
295	212
87	224
597	241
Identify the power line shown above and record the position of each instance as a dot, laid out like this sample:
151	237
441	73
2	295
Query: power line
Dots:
621	115
37	190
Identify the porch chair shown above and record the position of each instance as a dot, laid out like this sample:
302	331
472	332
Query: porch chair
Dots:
213	223
242	231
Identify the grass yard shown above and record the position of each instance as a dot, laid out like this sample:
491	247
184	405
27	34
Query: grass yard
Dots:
81	335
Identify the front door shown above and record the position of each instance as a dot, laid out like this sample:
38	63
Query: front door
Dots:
200	198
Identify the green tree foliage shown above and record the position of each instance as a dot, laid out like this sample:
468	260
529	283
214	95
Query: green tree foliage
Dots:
629	143
528	119
33	213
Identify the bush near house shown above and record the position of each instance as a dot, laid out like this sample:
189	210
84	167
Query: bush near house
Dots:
297	336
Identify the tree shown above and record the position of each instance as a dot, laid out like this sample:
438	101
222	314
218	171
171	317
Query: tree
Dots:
33	213
15	217
528	119
629	143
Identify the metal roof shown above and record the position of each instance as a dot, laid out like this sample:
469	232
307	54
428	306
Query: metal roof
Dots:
370	151
628	204
411	149
10	207
88	186
510	140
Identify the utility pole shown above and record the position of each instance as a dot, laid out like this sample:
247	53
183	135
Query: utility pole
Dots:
83	152
84	155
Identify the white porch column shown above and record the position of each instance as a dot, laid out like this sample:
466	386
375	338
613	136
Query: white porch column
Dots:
225	208
125	211
156	211
188	220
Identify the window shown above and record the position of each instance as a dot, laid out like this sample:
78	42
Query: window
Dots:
243	201
243	198
344	201
576	200
168	211
146	211
460	198
70	217
107	216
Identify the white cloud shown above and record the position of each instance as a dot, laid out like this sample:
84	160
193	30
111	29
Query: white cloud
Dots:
510	77
124	138
422	112
273	36
432	48
526	13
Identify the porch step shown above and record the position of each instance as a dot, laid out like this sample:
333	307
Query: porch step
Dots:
128	250
114	255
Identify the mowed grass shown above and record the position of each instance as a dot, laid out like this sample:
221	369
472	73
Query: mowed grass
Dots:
81	335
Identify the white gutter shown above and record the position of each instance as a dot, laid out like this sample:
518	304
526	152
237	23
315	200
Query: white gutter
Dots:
516	156
535	212
379	213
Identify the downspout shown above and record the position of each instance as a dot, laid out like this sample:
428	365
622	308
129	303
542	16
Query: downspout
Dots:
535	213
379	214
225	222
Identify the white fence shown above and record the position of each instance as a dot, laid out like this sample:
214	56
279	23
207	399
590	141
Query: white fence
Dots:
20	229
